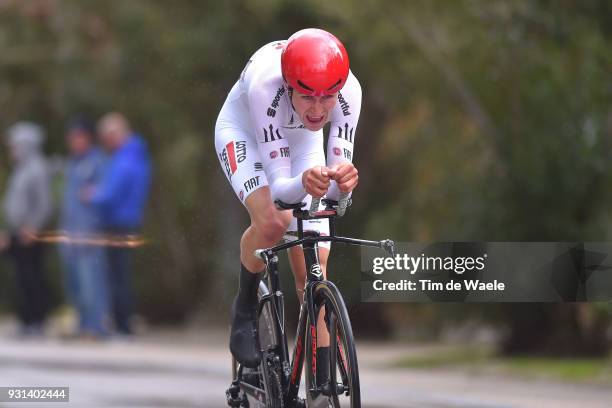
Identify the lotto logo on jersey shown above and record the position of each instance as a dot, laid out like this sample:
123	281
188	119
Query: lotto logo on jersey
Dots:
233	153
337	151
240	151
226	164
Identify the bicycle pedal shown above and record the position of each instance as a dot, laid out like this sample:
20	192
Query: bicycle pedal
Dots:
231	396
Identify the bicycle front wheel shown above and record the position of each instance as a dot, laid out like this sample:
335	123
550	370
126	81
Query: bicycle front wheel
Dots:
341	388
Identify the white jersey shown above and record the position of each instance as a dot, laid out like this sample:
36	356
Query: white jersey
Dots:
258	131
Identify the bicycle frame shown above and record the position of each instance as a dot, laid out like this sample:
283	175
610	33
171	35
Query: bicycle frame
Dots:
314	276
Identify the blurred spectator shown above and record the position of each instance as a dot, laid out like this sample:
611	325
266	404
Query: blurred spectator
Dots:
121	196
84	265
27	208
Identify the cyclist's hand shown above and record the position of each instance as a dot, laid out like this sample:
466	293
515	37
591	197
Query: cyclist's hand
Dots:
316	180
346	176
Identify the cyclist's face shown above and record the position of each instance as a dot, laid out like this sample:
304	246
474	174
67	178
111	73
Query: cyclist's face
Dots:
314	111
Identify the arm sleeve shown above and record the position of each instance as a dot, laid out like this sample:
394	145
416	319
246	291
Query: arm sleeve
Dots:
343	128
274	149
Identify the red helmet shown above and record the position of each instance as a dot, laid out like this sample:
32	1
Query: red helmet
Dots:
314	62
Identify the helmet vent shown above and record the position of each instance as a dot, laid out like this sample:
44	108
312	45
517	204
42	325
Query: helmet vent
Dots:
303	85
335	85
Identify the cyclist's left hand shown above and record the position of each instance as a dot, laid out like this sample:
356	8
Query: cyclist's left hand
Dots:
346	176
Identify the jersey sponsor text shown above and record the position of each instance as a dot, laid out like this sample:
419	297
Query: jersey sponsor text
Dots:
251	183
343	104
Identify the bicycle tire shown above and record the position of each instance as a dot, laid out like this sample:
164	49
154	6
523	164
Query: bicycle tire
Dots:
344	389
268	339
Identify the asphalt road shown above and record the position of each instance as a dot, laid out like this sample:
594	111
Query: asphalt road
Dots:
192	370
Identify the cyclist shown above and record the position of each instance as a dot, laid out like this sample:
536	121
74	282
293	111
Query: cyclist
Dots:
269	140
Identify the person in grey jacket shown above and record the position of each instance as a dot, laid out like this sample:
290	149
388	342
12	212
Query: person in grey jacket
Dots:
27	209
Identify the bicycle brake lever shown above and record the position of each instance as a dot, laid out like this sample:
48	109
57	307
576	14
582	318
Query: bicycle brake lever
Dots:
388	246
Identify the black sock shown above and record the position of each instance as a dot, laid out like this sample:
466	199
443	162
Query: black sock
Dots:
249	282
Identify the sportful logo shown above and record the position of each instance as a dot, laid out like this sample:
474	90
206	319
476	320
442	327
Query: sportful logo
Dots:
346	136
274	105
271	138
343	105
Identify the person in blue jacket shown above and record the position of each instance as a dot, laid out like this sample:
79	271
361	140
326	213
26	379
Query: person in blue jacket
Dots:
84	264
121	196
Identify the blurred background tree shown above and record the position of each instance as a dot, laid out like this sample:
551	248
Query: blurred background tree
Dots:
481	121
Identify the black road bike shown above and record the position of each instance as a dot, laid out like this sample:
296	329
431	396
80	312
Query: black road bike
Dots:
276	382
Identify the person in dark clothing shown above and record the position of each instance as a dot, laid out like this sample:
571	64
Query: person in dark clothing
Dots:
27	209
121	196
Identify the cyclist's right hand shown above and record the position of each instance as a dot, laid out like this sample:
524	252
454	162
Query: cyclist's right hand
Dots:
316	180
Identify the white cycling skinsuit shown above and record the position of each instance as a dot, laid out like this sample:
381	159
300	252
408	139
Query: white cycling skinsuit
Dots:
261	141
